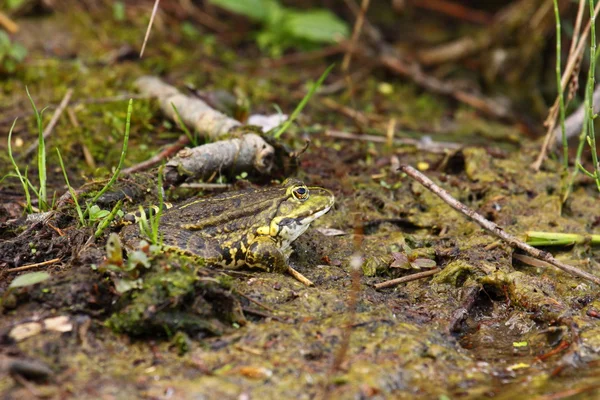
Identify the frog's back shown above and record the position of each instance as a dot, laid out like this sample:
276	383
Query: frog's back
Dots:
224	213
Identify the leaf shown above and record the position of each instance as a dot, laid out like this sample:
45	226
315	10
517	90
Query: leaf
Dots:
400	261
317	26
125	285
257	10
14	4
114	250
29	279
423	263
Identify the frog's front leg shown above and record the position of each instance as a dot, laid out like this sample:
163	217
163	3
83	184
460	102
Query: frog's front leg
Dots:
263	253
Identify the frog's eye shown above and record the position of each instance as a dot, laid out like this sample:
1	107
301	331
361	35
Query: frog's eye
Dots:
301	193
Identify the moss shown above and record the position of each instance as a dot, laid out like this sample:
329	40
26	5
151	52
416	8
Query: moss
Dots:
173	298
455	273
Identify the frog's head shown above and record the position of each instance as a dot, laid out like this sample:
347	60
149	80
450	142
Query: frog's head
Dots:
298	207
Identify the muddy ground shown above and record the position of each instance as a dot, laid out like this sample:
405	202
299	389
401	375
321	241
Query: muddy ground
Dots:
485	326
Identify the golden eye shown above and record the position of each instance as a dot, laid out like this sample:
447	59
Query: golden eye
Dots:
301	193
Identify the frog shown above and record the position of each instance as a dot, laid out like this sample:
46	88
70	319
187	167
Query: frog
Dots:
252	228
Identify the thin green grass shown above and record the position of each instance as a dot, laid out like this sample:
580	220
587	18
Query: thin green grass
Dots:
42	173
150	223
115	175
24	181
179	121
71	190
587	135
104	223
303	103
560	91
591	136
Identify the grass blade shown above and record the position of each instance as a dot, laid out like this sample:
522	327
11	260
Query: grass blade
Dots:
28	207
71	190
41	156
121	159
303	102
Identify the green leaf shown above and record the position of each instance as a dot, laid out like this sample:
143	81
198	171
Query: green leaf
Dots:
29	279
257	10
125	285
119	11
13	4
18	52
96	213
317	26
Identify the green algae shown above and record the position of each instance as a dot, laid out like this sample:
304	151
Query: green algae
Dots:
173	297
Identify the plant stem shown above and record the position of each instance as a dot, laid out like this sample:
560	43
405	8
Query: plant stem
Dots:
28	208
590	89
559	88
71	190
121	160
41	155
303	102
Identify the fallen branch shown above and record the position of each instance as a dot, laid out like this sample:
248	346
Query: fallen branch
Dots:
247	153
194	112
493	228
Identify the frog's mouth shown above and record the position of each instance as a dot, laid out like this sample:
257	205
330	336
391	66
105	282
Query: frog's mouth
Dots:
291	228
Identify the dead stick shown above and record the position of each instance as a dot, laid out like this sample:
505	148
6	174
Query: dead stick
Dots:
355	34
299	277
408	278
48	131
154	11
29	266
166	153
8	23
492	227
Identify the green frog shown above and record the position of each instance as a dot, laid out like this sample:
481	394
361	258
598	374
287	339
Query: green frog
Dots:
250	228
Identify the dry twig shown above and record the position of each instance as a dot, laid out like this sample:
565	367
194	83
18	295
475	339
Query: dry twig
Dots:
423	144
154	11
157	159
8	24
30	266
493	228
456	10
408	278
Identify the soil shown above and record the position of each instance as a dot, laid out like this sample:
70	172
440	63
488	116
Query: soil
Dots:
487	325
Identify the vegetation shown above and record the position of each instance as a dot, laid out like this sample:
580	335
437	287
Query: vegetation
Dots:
421	89
11	54
285	27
